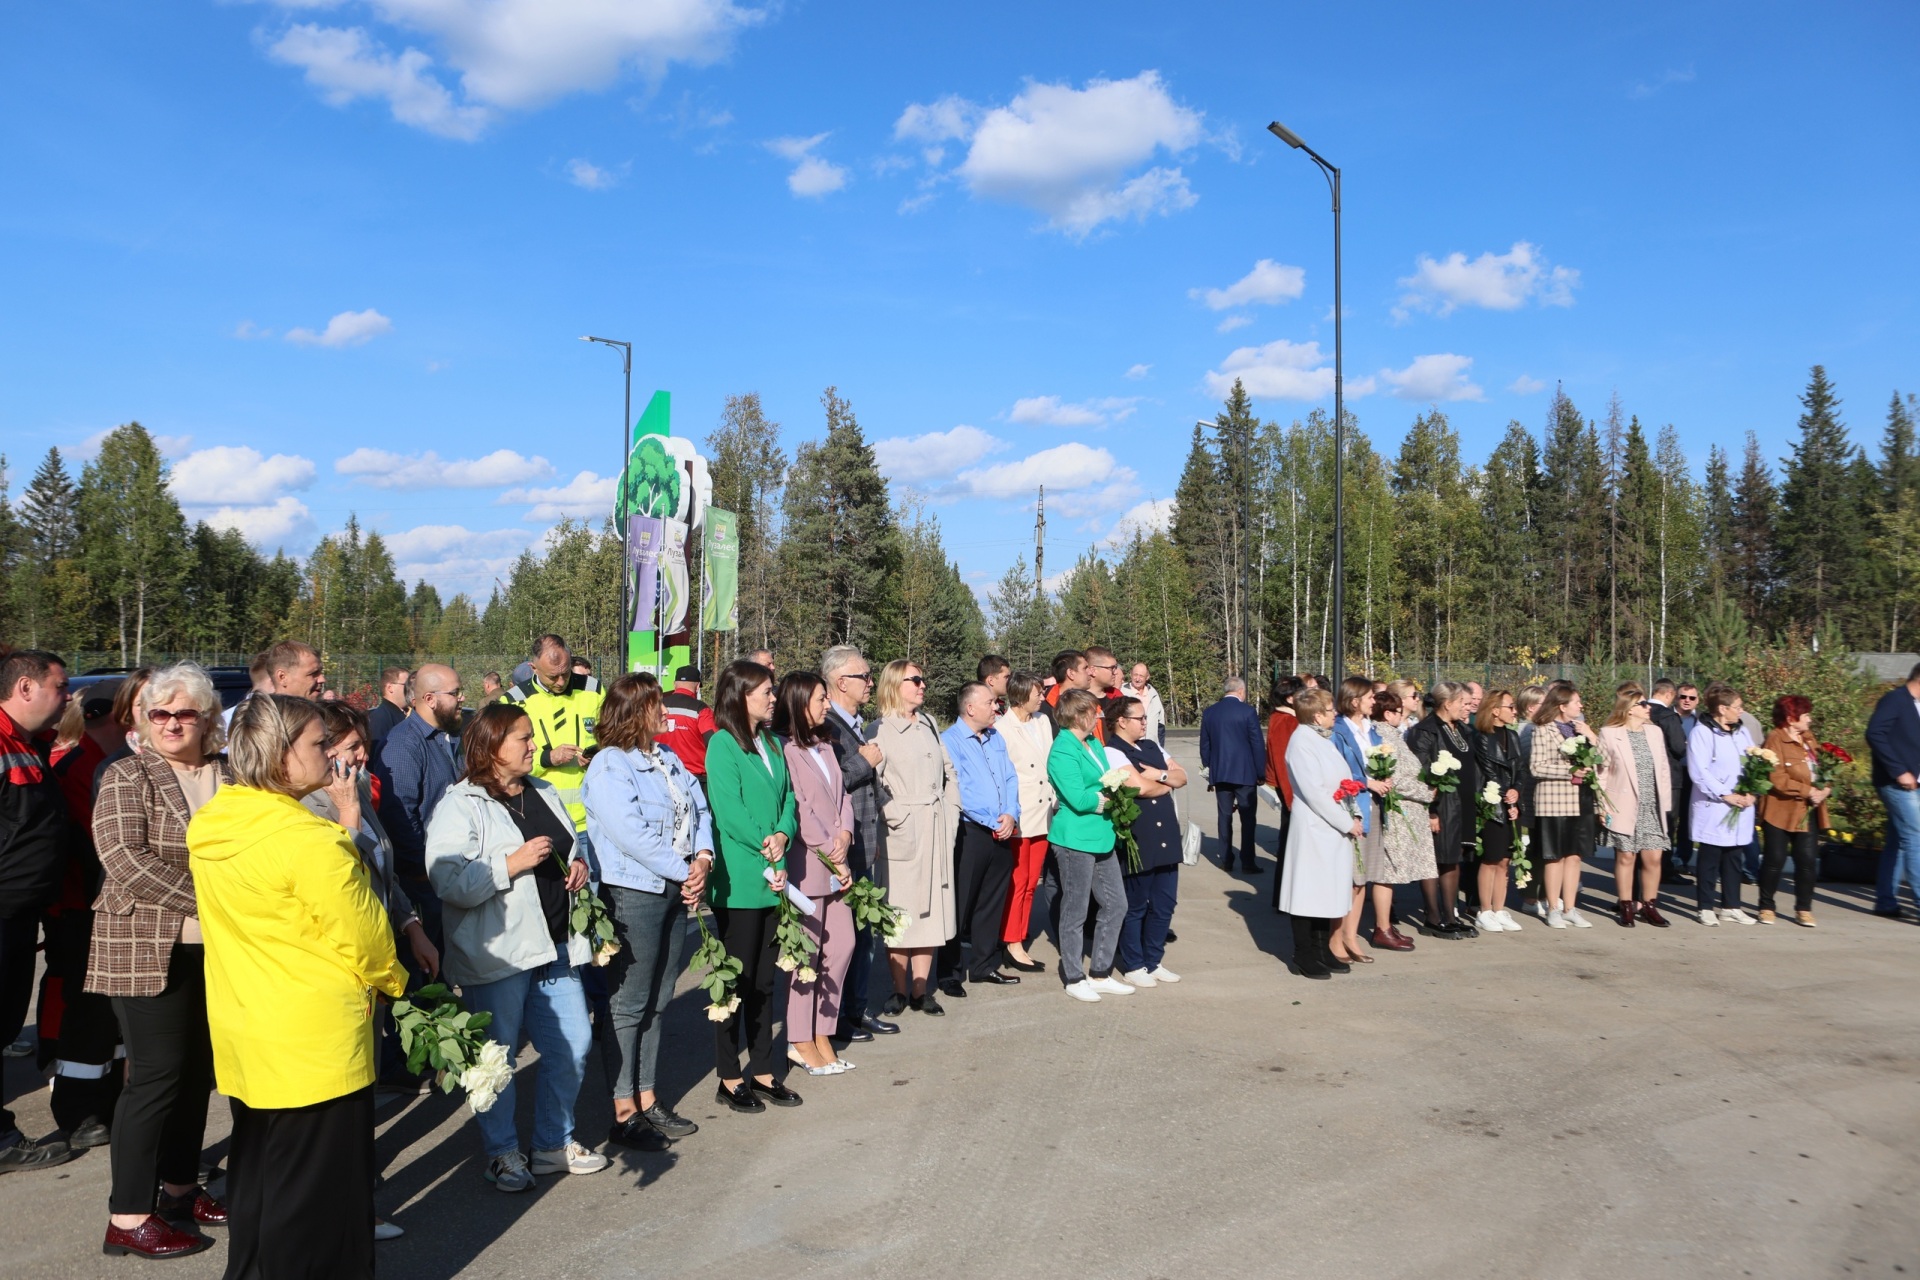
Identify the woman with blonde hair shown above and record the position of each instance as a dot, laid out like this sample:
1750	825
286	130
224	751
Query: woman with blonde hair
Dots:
1316	884
148	956
297	946
1638	781
1496	752
1399	848
922	813
1563	804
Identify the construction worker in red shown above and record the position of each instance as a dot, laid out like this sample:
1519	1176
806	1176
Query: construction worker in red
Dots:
689	722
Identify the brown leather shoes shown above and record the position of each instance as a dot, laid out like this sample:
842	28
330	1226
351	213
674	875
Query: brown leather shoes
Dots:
1389	940
1650	914
195	1206
154	1238
1627	910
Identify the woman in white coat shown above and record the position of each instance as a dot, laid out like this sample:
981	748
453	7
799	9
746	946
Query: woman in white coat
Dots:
1316	885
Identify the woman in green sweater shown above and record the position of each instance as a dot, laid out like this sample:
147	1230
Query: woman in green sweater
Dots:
1083	850
753	824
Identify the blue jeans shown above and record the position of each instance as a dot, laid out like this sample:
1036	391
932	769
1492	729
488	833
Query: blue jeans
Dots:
1900	860
652	930
1150	901
550	1006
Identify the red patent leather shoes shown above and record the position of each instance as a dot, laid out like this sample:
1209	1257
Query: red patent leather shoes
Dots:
1390	940
154	1238
1650	914
196	1205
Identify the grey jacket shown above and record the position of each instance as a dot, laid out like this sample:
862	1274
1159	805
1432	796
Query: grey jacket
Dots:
376	850
493	923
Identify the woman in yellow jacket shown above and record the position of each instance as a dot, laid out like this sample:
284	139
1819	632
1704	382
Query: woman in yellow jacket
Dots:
297	948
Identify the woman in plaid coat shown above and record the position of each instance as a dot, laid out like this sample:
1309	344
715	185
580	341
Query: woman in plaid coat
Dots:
1563	803
148	958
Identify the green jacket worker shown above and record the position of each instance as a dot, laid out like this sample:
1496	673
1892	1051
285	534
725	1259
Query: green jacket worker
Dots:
564	708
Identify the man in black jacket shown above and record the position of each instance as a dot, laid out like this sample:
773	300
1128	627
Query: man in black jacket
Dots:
1674	733
849	678
35	839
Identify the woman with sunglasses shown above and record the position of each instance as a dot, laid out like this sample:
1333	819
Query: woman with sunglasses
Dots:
922	813
149	958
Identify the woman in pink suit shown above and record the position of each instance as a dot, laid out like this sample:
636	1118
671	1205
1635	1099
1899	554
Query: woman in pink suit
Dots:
826	832
1639	788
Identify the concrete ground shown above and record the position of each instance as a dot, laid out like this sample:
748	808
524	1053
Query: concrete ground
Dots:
1598	1103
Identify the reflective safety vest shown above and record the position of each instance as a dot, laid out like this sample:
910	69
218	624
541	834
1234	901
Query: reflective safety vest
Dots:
562	720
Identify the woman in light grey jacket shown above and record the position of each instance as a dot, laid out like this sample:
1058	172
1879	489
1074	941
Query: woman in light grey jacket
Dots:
503	859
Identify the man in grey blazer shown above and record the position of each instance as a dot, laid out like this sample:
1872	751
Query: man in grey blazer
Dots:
849	678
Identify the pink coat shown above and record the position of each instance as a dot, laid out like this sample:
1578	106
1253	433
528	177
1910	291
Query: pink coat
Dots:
824	810
1620	779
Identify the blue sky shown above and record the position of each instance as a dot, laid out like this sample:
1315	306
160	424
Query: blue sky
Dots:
338	254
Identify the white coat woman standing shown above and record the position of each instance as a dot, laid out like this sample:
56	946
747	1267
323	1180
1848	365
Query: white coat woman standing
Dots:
1316	886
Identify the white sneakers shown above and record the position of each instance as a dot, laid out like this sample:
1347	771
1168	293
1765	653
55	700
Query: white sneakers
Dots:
572	1158
1083	990
1140	978
1163	974
1555	919
1707	917
1490	922
1736	916
1573	917
1110	986
1506	918
1538	906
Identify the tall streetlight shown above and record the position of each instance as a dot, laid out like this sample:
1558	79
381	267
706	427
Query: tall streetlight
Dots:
626	424
1332	175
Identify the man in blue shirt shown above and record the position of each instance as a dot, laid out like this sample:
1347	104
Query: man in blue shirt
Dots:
983	851
416	764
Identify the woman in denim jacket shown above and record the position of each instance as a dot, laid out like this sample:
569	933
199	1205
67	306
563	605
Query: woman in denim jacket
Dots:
648	822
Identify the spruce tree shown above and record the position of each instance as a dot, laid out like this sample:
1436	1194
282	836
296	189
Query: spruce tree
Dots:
1753	549
132	540
1512	580
1716	522
1821	526
1897	520
839	551
49	511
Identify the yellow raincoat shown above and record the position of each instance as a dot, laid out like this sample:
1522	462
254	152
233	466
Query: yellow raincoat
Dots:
297	944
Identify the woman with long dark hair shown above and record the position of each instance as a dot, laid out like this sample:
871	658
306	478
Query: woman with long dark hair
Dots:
817	864
1563	804
1450	818
1793	814
503	860
754	823
1497	757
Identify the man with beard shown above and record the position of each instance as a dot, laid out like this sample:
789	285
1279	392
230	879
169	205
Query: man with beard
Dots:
416	764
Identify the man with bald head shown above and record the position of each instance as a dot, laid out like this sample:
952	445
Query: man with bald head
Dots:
416	764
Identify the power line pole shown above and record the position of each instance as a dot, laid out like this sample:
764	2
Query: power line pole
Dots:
1040	546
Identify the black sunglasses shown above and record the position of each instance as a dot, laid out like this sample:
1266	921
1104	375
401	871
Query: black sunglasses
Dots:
921	680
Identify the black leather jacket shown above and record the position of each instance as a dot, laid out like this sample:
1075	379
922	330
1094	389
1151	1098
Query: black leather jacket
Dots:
1497	756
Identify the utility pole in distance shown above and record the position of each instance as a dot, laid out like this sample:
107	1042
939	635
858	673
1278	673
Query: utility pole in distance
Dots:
1040	546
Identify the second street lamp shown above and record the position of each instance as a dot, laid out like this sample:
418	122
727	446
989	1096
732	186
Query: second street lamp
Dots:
1332	174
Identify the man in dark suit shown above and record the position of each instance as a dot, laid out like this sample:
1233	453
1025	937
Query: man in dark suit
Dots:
1235	756
1674	733
849	678
392	707
1893	736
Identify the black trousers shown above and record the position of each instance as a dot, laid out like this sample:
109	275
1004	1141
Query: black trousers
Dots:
983	878
161	1118
1682	822
1280	855
19	935
1777	844
748	935
300	1190
78	1033
1244	798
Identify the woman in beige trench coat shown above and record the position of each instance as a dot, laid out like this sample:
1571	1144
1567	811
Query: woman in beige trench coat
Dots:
921	806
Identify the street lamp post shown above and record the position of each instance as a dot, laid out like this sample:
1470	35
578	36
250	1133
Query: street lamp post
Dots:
626	425
1332	175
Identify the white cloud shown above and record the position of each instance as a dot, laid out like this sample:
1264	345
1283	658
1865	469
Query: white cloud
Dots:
1281	370
811	176
1145	518
384	470
935	455
346	64
248	331
228	474
1435	377
1268	282
1525	386
265	525
1051	411
1136	372
1671	76
1233	322
456	558
509	54
347	329
1063	467
585	497
591	177
1498	281
1067	152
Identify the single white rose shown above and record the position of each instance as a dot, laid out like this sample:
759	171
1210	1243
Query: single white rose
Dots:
733	1005
1115	778
1491	793
1570	746
1443	764
489	1074
718	1013
806	974
785	963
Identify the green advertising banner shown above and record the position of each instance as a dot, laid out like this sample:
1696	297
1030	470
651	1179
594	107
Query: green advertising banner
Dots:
720	572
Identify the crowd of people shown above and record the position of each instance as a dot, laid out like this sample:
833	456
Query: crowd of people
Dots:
232	897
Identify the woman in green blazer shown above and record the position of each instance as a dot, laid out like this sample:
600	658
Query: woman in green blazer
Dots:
1083	850
753	824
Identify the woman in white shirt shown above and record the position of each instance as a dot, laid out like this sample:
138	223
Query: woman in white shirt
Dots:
1029	737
